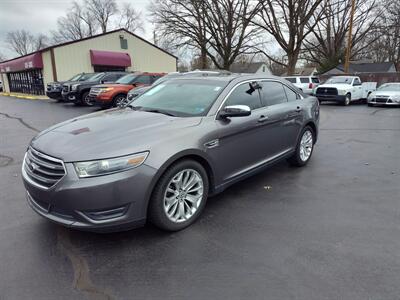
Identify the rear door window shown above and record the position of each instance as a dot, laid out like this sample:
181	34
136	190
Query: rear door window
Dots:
290	94
315	80
304	80
244	94
273	93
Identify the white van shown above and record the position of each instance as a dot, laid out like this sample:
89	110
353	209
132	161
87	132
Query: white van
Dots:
307	84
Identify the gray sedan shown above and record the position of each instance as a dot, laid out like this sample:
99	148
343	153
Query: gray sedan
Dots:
160	157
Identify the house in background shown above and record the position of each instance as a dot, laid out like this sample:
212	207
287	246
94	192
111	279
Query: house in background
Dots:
251	68
306	71
363	67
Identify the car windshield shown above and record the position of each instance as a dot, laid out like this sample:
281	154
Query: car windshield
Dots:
95	77
395	87
127	79
85	77
76	77
340	79
183	98
166	77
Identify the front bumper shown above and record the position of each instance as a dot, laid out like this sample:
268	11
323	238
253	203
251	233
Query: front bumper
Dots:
54	94
102	204
335	98
70	96
374	102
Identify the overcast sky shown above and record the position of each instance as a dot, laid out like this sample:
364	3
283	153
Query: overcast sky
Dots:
41	16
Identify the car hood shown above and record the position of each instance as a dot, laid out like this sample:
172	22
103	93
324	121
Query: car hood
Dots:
110	133
385	93
339	86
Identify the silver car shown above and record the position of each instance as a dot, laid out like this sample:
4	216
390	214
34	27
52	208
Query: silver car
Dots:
160	157
386	94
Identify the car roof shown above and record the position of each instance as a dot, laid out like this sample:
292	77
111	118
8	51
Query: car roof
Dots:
231	77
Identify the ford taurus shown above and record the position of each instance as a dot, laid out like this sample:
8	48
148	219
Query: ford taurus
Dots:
163	155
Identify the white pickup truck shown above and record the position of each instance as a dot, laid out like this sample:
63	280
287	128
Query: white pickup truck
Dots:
344	89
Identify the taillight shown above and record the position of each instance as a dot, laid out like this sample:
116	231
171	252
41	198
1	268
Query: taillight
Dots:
310	86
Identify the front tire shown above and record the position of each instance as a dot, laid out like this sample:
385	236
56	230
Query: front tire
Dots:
118	100
347	100
304	148
179	196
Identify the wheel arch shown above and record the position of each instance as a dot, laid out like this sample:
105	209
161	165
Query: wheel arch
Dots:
193	154
314	128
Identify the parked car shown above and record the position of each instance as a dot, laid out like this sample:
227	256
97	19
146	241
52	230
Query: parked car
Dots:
307	84
78	91
53	89
111	95
160	157
344	89
386	94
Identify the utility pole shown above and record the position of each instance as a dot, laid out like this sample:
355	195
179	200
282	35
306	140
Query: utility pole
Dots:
349	41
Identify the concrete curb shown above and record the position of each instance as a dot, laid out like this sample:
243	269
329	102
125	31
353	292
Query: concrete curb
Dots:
24	96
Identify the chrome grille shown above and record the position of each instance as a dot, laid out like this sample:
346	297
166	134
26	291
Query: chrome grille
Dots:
42	170
327	91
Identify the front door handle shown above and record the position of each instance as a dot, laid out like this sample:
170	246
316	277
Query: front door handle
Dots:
262	119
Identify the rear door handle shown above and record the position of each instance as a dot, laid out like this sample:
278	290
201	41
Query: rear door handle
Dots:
262	119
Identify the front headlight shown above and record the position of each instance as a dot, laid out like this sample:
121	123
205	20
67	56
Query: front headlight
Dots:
74	87
104	90
342	92
396	98
109	166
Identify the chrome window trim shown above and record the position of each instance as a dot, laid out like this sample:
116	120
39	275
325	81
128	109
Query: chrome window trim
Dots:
252	80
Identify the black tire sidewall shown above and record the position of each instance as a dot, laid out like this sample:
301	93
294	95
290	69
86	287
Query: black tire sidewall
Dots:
157	214
295	159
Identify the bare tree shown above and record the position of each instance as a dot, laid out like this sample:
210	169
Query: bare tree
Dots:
326	45
289	22
77	24
130	18
102	11
2	57
230	29
383	44
23	42
181	22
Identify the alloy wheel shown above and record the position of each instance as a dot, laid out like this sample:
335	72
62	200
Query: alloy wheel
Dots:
306	145
183	195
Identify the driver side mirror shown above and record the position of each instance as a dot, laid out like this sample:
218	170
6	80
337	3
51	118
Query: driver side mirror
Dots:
234	111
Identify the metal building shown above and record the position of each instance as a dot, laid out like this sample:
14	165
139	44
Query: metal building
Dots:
112	51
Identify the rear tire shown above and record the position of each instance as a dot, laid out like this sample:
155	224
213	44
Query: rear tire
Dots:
304	148
172	206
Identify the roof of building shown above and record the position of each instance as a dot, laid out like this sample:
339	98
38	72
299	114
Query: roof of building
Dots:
306	71
246	67
92	37
362	67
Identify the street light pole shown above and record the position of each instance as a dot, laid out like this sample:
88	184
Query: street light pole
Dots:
349	41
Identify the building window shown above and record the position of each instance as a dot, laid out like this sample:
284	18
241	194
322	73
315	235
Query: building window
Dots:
123	42
27	82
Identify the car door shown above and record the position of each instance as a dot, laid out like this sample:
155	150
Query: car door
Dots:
239	144
357	88
284	109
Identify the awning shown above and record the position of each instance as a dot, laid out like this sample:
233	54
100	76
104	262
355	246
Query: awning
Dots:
110	58
32	61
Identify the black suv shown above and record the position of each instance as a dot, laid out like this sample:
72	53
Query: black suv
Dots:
53	89
78	91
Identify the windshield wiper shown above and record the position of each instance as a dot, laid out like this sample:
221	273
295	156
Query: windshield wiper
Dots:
133	107
159	111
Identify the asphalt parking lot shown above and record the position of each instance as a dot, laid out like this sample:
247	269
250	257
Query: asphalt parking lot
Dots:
330	230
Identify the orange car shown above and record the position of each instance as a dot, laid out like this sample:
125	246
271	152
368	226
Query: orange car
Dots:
112	94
